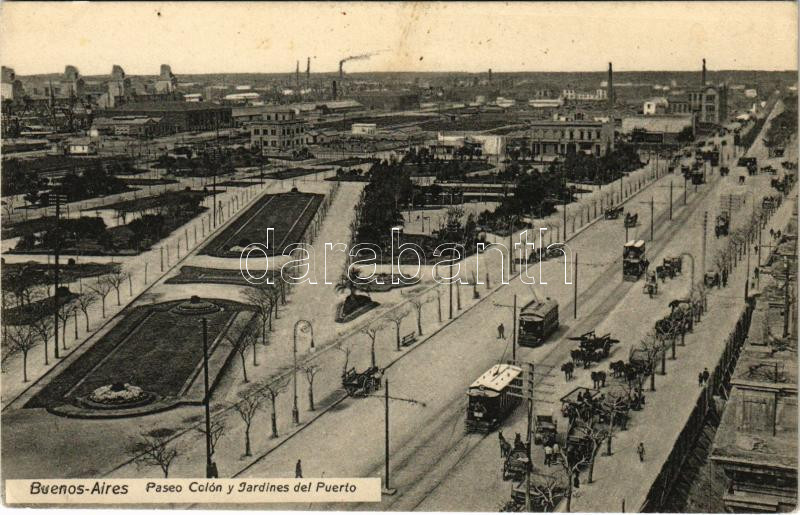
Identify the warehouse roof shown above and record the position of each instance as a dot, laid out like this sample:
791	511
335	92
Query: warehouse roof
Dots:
666	124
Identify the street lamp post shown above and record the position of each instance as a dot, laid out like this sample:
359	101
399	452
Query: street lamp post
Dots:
211	469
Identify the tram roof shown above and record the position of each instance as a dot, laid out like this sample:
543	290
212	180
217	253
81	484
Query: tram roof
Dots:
635	243
497	378
538	309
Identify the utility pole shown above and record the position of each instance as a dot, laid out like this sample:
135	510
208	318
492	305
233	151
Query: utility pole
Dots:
210	472
529	392
703	255
514	330
56	251
747	273
652	215
386	488
575	288
786	299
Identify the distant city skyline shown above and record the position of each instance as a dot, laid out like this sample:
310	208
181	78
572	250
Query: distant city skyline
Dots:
201	38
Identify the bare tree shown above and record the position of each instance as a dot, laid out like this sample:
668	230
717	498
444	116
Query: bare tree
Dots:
217	430
310	372
651	346
65	311
397	317
546	494
84	301
154	449
272	391
570	465
102	287
595	435
116	279
248	405
372	332
44	329
239	342
262	298
418	303
20	339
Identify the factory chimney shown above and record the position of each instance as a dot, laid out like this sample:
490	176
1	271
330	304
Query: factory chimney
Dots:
610	87
308	72
297	77
490	75
333	90
703	78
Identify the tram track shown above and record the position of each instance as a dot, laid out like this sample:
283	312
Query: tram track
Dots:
605	294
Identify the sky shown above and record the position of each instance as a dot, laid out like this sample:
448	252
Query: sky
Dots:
211	37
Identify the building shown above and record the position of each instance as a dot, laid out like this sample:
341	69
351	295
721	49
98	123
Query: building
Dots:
135	126
657	129
80	147
656	105
278	131
597	95
11	86
546	103
177	116
756	442
363	129
388	100
549	138
166	82
485	145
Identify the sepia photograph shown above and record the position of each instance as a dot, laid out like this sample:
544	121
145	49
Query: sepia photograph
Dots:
399	256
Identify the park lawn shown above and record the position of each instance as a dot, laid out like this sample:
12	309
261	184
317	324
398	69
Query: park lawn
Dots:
197	274
151	202
152	348
287	213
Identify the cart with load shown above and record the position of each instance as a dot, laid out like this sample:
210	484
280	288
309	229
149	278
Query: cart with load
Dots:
631	219
361	384
612	213
546	429
518	461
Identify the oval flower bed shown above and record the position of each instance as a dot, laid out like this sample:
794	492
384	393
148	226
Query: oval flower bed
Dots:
117	396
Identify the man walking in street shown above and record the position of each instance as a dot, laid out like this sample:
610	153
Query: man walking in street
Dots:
548	455
699	379
706	375
298	470
501	332
640	451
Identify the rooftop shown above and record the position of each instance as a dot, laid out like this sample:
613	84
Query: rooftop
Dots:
669	124
170	106
497	377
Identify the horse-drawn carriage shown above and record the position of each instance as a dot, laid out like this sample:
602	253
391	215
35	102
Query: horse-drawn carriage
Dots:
679	320
722	225
631	219
634	260
580	403
612	213
518	461
592	348
360	384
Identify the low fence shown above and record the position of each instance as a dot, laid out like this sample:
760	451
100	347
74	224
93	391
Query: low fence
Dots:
717	383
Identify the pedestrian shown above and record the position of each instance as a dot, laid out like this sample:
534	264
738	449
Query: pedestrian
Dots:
556	452
699	379
706	375
548	455
640	451
298	470
501	332
518	442
576	482
724	278
755	272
